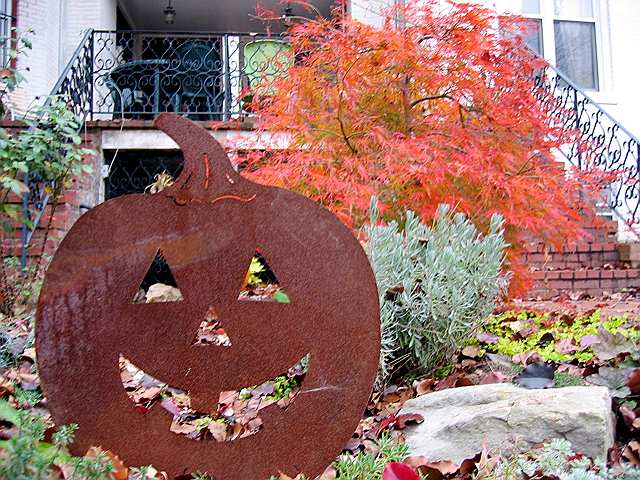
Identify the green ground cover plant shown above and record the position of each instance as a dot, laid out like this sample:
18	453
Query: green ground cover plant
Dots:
556	338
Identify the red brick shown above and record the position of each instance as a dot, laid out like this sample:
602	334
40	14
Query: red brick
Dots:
610	257
567	275
537	275
578	274
535	258
593	273
633	273
559	284
584	284
608	283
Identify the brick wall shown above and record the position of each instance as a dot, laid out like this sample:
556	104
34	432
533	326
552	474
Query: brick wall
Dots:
84	193
593	267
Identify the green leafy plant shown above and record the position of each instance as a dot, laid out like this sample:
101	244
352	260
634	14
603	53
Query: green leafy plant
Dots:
370	465
46	149
26	456
557	459
436	284
554	339
282	387
16	44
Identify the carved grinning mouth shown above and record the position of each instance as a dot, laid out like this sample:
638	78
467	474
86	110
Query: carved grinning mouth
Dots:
237	413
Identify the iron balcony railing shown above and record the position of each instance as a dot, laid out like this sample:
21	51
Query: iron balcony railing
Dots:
207	76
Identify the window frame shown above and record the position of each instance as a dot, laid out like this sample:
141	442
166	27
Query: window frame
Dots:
7	19
547	17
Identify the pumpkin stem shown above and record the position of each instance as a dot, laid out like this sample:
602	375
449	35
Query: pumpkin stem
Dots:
207	170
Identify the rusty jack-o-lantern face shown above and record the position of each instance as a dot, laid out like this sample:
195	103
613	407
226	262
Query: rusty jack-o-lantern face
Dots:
208	226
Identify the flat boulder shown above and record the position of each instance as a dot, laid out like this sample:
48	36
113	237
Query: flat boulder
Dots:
459	421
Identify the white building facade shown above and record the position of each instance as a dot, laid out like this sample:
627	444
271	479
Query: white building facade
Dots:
591	41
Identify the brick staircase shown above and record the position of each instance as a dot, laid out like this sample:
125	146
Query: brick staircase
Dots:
595	267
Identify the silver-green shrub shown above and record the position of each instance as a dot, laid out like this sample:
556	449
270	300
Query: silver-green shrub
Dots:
436	284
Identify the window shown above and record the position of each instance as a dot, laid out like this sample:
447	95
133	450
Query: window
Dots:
5	31
565	32
574	28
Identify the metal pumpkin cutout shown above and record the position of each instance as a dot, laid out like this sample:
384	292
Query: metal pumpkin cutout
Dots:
208	226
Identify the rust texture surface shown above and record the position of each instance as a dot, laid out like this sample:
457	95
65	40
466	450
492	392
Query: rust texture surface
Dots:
208	226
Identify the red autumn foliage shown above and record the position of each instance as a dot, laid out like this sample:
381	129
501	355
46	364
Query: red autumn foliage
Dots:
436	106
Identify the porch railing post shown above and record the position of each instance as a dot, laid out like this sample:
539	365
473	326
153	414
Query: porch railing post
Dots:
90	72
227	80
577	127
24	230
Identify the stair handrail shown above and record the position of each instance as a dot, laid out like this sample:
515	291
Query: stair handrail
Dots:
615	147
79	100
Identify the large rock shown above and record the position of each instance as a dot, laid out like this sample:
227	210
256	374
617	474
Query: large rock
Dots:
458	421
159	292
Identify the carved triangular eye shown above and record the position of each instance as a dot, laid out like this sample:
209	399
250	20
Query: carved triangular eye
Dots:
261	284
159	284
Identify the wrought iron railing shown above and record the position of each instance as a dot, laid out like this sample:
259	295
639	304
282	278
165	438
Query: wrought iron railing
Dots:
603	143
74	87
207	76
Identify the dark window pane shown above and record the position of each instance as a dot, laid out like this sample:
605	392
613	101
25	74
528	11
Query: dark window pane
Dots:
576	55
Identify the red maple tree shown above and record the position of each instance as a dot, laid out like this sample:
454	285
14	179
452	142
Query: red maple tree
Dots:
435	106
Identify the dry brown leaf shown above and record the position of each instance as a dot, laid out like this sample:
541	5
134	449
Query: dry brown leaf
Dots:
120	471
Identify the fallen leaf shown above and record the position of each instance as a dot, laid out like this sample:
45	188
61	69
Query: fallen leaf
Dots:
615	379
628	415
633	382
399	471
407	418
218	431
472	351
588	340
632	452
527	358
29	381
434	470
566	346
424	386
487	338
494	377
610	346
